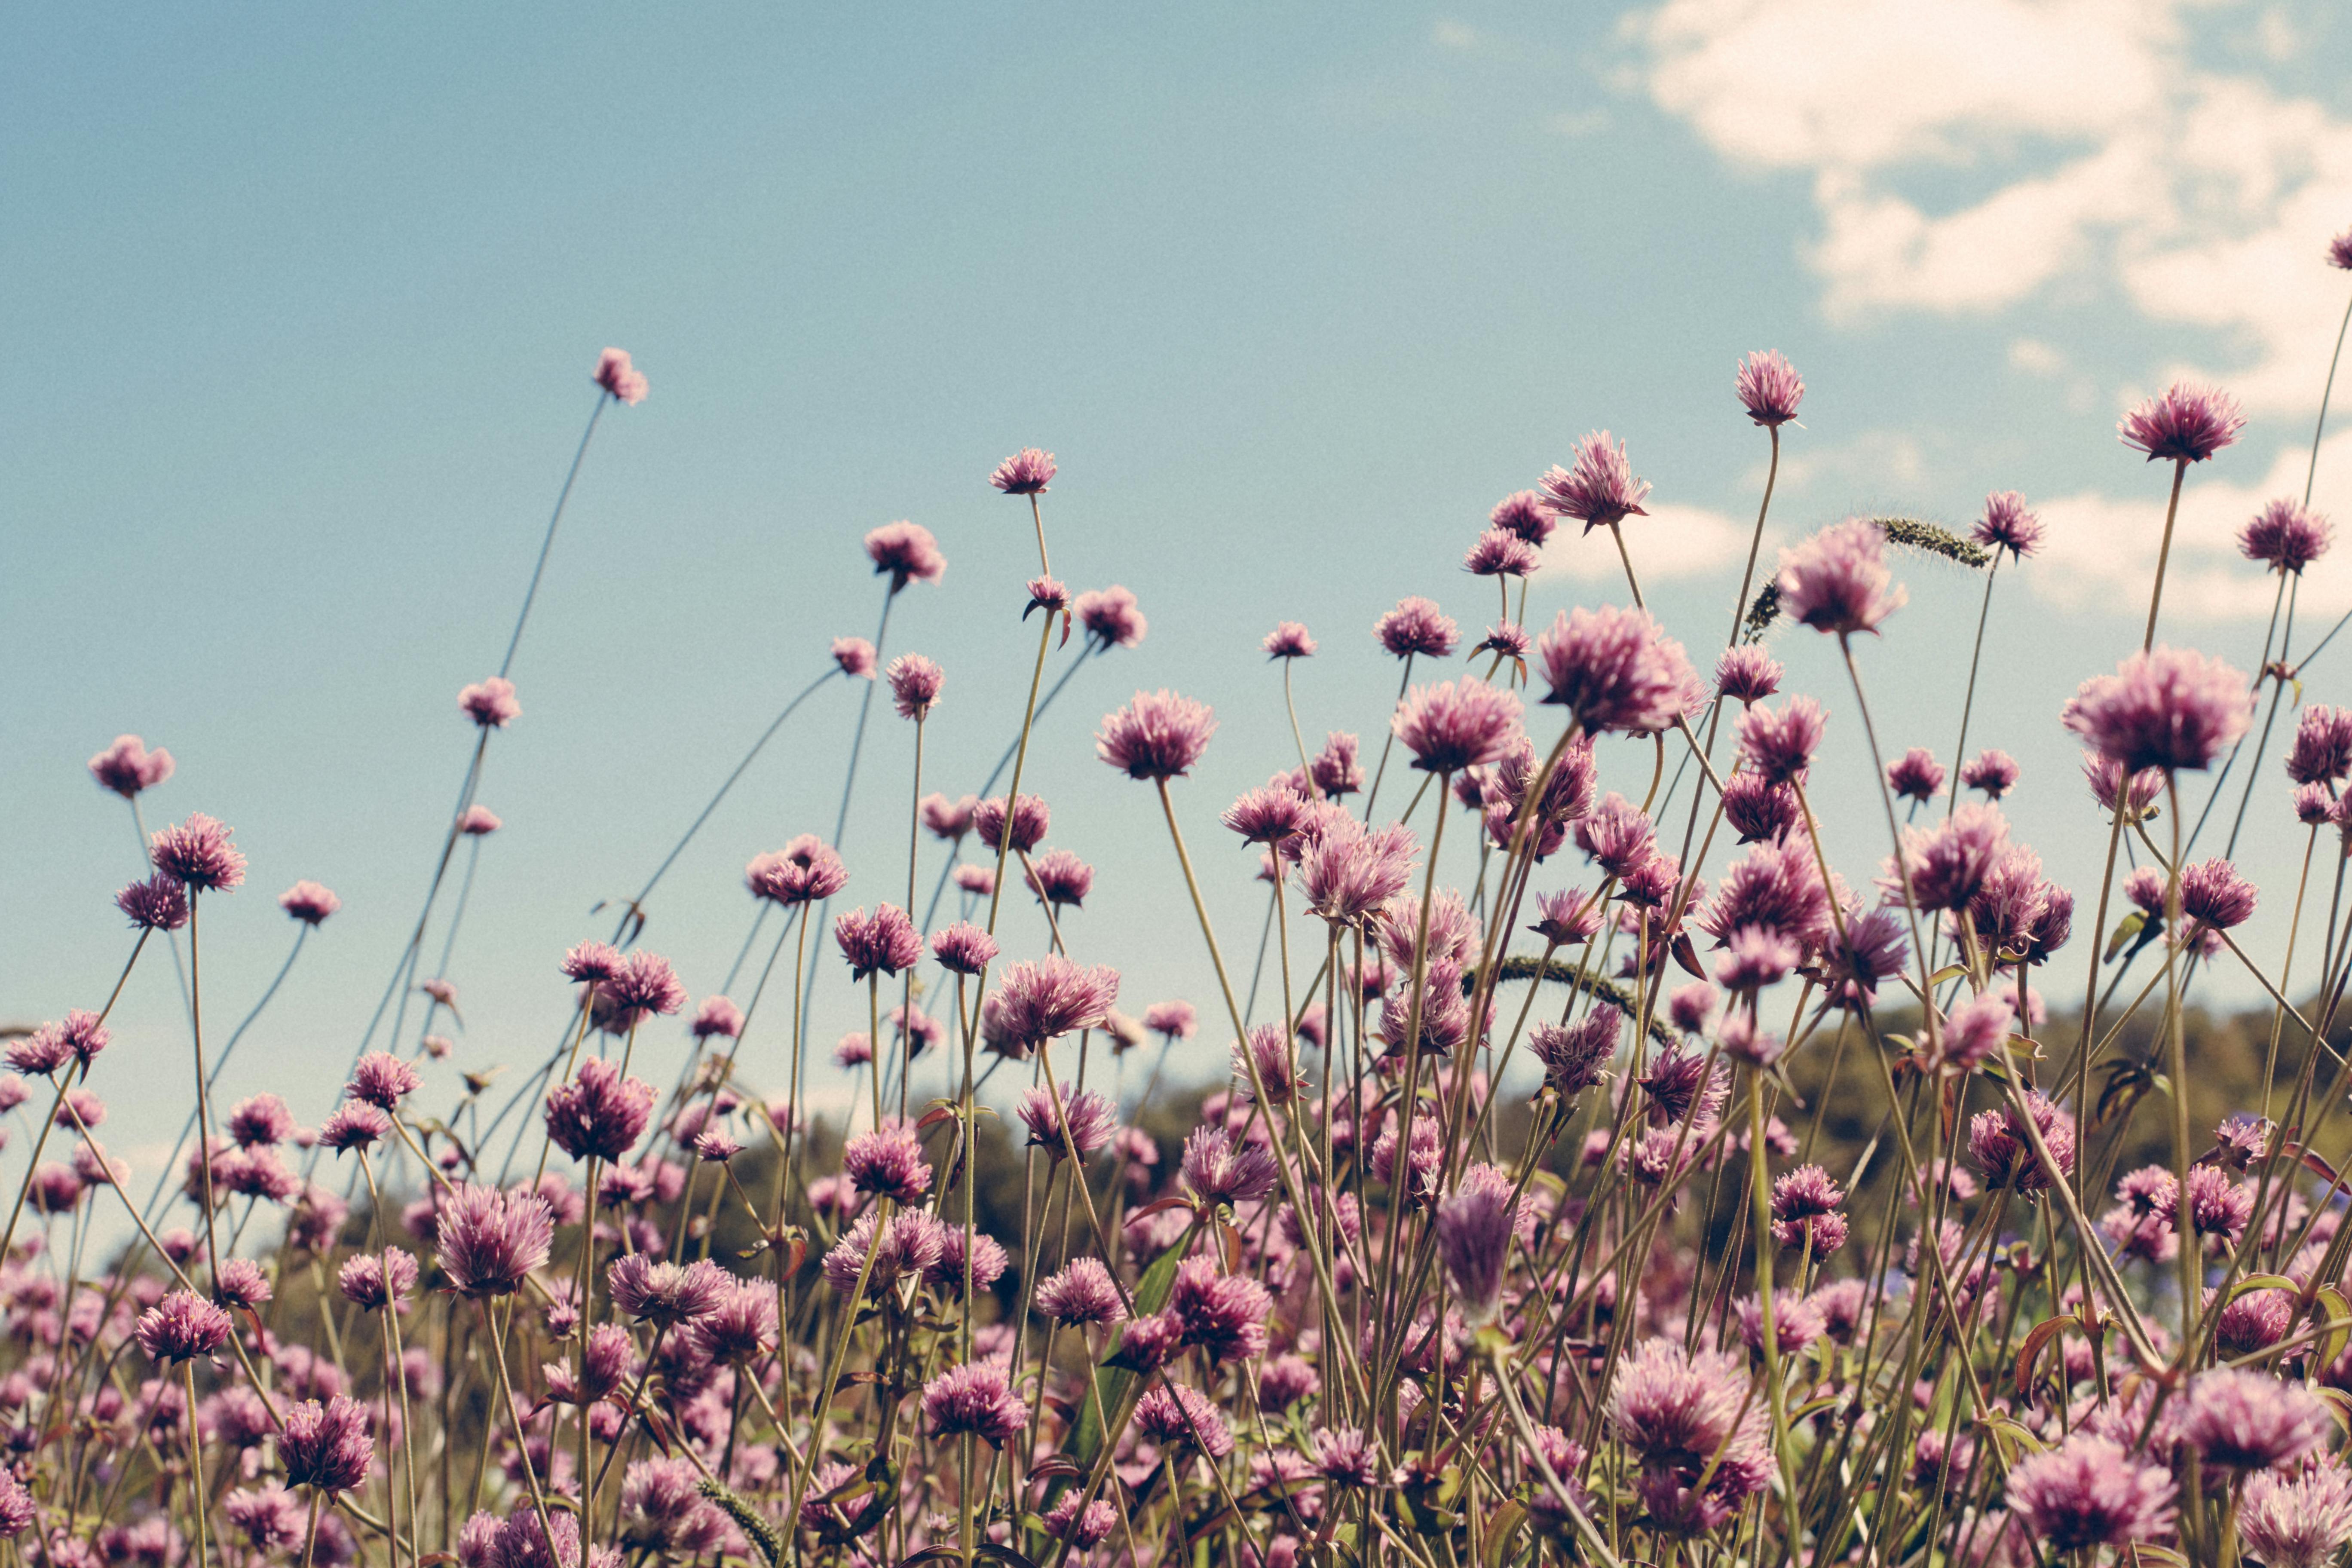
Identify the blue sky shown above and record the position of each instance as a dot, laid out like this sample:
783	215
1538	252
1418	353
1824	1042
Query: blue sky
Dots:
304	304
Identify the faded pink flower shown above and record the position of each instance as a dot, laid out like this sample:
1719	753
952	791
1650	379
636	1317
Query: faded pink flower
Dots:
127	767
308	902
1110	617
1457	724
1838	581
908	553
915	683
620	379
2188	423
1158	735
2007	525
1416	627
1600	489
855	655
197	854
1615	669
2285	537
1524	513
490	703
2166	707
1025	473
1770	387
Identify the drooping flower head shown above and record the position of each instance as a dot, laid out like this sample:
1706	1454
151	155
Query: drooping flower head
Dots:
1770	387
2285	537
2166	708
127	767
490	703
1025	473
2007	525
1838	580
915	683
1416	627
197	854
489	1241
1614	668
908	553
1157	736
1456	724
2188	423
1600	489
621	380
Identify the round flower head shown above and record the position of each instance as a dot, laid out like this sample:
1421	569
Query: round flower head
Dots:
855	655
382	1080
2213	892
1288	640
915	683
308	902
1805	1204
1600	489
1456	724
1838	581
1335	770
1087	1122
1058	876
2285	537
198	855
1215	1172
1474	1239
1498	552
717	1016
1524	514
158	903
908	553
888	1163
803	871
181	1327
2322	752
1748	674
1349	872
326	1446
1031	818
1158	735
1753	958
261	1122
1416	627
1998	1144
1052	997
620	379
1175	1415
666	1294
373	1281
886	941
1679	1408
1173	1021
1025	473
590	962
2248	1420
2007	525
948	819
1779	744
490	703
963	948
354	1125
2167	708
2314	806
489	1241
127	767
1945	867
643	985
1224	1314
2300	1520
1993	771
478	822
2188	423
1971	1036
976	1398
1615	670
1770	387
1082	1292
1110	617
599	1115
1049	594
1567	917
1915	774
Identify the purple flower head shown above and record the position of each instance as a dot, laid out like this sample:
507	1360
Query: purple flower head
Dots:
1030	820
1268	1050
963	948
1416	627
804	871
1797	1322
908	553
1474	1239
2302	1520
1335	770
1997	1143
1615	669
478	822
666	1294
181	1327
1288	640
1770	387
1082	1292
2105	778
382	1080
599	1115
1224	1314
260	1121
490	703
2285	537
2322	752
1776	886
1838	581
1110	617
888	1163
1058	876
158	903
1755	957
1676	1408
2170	708
717	1016
1617	834
1158	735
948	819
1915	774
1052	997
911	1243
1780	744
1567	917
1025	473
1509	640
1089	1120
1456	724
489	1241
127	767
2250	1420
591	962
2188	423
1600	489
1049	594
619	378
2339	251
974	1398
1498	552
1993	771
1523	514
198	855
645	984
308	902
1215	1172
1173	1021
270	1519
1757	809
1947	865
2007	525
2213	892
1748	674
885	941
1176	1415
355	1124
1349	872
1971	1036
326	1446
988	1264
855	657
373	1281
741	1327
2314	806
1805	1204
915	683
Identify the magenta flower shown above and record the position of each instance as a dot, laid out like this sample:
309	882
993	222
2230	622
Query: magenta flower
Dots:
181	1327
261	1122
741	1327
1082	1292
908	553
1946	866
1473	1240
1174	1415
1770	387
645	984
1091	1122
1971	1036
2188	423
1052	997
1498	552
803	871
1335	770
1993	772
2322	752
1349	872
1110	617
308	902
2213	892
1838	581
886	941
1805	1204
974	1398
1779	744
1025	473
478	822
489	1241
355	1124
717	1016
1615	669
1677	1408
2007	525
2284	537
2339	251
1997	1143
1157	736
2090	1492
1797	1322
1173	1020
1748	674
127	767
915	683
158	903
1215	1172
948	819
1224	1314
1047	594
888	1163
1288	640
2300	1520
372	1281
855	657
1567	917
2169	708
490	703
2248	1420
326	1446
989	1262
382	1080
1522	513
1600	489
1915	774
1031	818
963	948
269	1520
599	1115
666	1294
1457	724
619	378
1575	1057
1059	877
913	1242
1753	957
1416	627
197	854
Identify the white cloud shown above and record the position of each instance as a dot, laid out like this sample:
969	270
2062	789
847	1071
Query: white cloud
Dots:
2035	357
1672	541
2088	146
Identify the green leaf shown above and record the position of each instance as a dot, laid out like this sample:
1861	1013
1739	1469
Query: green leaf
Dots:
2126	929
1150	1295
1501	1525
1950	971
2261	1282
2340	1312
